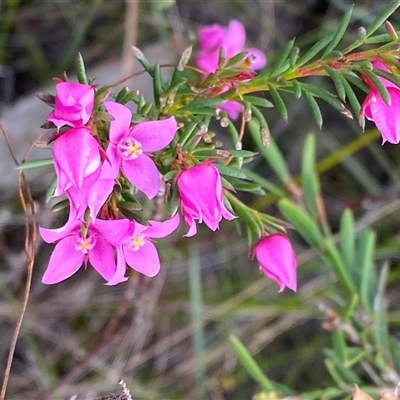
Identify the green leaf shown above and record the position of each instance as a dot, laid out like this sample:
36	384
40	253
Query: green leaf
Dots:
282	63
45	162
51	189
367	268
347	240
315	49
157	84
197	105
296	88
264	183
382	17
280	105
146	64
333	255
250	365
351	307
302	222
294	56
245	186
81	70
258	101
324	94
271	154
316	112
341	30
234	60
379	85
337	81
310	181
354	103
60	205
339	346
229	171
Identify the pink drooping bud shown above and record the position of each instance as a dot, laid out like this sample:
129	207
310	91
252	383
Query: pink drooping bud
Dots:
202	197
277	260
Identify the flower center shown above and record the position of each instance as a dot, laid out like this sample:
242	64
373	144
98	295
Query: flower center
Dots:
129	148
137	242
84	244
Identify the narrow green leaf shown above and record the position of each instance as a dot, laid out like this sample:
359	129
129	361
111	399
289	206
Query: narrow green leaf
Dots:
310	181
45	162
245	186
146	64
282	59
294	56
302	222
379	85
157	84
229	171
51	189
317	91
382	17
341	30
315	49
60	205
81	70
271	154
337	81
296	89
280	105
330	366
234	60
264	183
336	261
351	307
339	346
314	107
202	104
258	101
367	268
347	240
249	364
354	103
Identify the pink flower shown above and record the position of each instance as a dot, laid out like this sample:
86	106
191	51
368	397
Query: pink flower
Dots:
386	117
73	106
137	249
277	260
76	158
202	197
77	244
128	146
232	39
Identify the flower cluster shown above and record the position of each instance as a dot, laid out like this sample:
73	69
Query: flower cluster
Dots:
105	157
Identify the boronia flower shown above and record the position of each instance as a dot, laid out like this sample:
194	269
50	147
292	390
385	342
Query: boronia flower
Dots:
73	105
137	250
277	260
202	197
78	244
128	147
214	37
386	117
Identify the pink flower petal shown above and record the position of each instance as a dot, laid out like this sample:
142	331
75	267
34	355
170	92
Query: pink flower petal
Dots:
144	260
161	229
258	58
211	37
143	173
101	256
112	230
77	155
122	120
119	275
235	38
54	235
155	135
64	262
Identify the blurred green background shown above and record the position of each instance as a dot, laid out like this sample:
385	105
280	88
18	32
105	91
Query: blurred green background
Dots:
168	337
